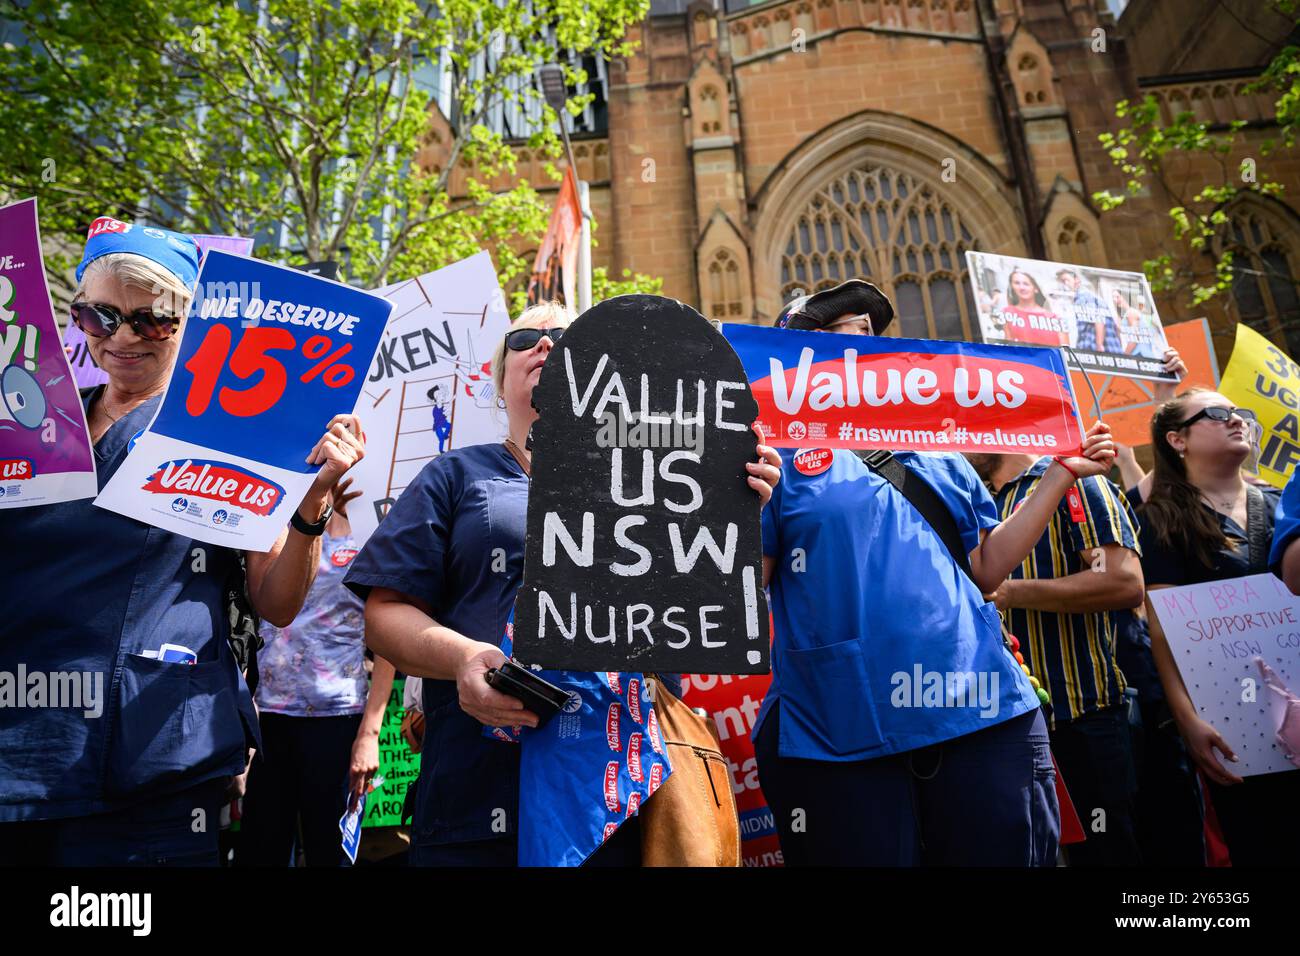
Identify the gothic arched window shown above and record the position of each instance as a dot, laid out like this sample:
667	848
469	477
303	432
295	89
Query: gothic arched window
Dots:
1264	260
726	300
895	230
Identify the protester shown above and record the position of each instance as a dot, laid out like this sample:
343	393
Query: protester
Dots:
1170	816
868	600
121	782
1284	557
1060	603
1203	522
1094	325
1038	324
439	578
320	726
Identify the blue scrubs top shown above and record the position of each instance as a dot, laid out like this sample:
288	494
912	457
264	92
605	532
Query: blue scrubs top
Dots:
455	540
883	644
1286	524
94	590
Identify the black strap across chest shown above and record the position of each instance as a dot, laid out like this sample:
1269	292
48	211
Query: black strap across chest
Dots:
1258	533
924	499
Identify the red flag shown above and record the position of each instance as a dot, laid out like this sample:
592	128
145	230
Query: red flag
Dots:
555	271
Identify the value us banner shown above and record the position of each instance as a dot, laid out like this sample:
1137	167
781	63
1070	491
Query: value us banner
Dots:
854	391
1262	377
268	356
45	454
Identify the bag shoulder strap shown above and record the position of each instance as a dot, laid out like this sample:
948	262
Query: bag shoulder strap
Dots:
1257	531
924	499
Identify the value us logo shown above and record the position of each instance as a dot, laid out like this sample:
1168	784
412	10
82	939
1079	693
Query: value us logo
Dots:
216	481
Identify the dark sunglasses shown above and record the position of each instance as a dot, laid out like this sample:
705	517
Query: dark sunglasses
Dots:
521	340
1217	413
101	321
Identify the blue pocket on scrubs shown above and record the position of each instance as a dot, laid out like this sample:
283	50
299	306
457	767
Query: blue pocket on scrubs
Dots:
826	695
174	723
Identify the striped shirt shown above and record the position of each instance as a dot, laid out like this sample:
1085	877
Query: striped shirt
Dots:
1072	655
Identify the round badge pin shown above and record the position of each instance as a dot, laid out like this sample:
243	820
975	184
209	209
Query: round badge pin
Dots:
813	461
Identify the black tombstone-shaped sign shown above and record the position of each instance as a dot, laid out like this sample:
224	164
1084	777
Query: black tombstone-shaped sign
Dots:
644	548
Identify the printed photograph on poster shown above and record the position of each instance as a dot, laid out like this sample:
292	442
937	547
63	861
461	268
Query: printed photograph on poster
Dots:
1219	633
45	448
430	386
268	356
1106	316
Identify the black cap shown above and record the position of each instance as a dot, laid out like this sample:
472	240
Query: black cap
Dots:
854	297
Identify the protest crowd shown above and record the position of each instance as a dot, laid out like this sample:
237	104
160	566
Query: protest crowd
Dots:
1077	740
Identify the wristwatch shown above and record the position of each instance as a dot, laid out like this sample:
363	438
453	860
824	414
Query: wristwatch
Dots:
311	530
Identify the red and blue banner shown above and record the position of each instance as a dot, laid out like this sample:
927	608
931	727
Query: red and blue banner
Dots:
823	390
733	701
268	355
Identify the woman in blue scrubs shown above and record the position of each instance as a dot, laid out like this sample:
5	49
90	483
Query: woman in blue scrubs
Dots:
135	774
898	730
439	577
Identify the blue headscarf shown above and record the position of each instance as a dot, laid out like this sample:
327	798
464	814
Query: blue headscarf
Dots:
174	251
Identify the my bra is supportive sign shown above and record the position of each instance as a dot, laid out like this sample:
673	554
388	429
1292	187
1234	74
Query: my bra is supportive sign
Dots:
819	389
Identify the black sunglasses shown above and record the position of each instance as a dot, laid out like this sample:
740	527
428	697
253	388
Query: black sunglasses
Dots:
1217	413
521	340
101	321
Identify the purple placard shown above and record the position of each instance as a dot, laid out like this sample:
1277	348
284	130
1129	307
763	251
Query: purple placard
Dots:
45	453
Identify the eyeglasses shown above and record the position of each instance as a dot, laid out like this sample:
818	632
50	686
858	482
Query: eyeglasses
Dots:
521	340
100	321
1217	413
860	323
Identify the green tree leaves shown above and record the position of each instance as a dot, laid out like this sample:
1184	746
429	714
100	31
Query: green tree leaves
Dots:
316	126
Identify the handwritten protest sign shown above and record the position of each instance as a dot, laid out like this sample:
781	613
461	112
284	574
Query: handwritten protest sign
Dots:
268	356
45	452
1263	378
852	391
430	387
643	549
1216	632
1108	317
1127	404
87	373
397	765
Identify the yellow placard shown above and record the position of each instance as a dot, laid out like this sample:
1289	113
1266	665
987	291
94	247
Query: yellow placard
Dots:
1262	377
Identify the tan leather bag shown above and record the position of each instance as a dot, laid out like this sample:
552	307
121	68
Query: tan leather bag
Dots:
691	819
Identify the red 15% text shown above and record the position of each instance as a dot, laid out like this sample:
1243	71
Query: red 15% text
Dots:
251	357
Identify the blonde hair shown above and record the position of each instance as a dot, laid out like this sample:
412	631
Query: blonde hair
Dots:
543	315
137	272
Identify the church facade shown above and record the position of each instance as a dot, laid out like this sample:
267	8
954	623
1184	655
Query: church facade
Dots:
753	151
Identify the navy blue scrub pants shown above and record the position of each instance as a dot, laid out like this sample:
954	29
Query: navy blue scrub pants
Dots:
176	830
1095	753
301	772
985	799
